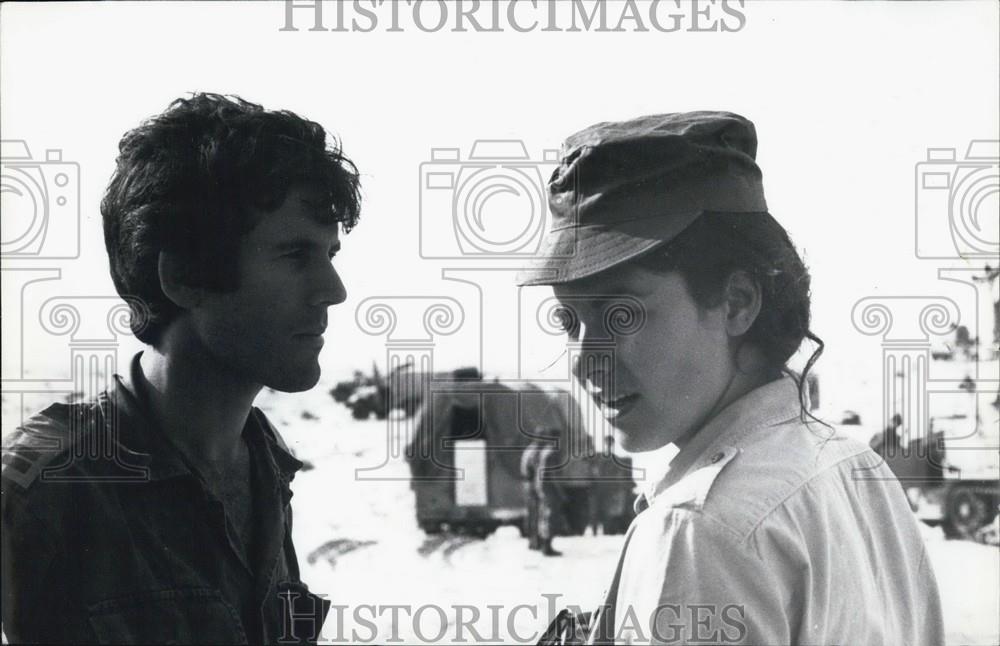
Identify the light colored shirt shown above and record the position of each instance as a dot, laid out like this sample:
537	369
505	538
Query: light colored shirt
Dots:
768	530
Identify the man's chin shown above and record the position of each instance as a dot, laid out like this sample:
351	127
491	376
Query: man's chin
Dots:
295	381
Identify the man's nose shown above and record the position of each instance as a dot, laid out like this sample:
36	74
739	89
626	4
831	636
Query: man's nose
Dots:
331	290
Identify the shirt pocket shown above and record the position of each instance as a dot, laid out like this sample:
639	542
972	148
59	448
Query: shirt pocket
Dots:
174	616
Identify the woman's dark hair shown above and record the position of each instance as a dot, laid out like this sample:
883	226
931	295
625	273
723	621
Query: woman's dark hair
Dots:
189	181
718	244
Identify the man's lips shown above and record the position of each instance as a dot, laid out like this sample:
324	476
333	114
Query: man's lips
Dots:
313	330
312	337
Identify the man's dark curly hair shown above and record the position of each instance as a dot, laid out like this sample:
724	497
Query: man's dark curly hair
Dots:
189	180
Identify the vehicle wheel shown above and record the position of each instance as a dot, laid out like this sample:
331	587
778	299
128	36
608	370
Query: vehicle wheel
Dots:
360	412
522	526
992	507
965	512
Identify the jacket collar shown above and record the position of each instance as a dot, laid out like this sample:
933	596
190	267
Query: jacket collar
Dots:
695	467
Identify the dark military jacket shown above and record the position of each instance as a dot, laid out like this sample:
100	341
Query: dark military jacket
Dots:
110	536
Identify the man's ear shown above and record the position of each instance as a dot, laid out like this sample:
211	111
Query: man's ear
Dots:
743	302
175	283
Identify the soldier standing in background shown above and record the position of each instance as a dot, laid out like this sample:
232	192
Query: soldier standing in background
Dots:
548	491
529	464
610	491
888	442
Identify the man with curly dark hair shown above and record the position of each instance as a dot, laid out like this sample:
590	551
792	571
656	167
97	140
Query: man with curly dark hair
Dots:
160	512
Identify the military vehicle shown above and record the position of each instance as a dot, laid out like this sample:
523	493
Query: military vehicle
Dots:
466	453
363	395
951	472
404	389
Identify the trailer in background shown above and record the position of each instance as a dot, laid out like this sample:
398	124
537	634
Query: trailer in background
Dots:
465	457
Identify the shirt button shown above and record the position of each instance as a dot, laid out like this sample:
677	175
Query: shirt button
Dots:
718	456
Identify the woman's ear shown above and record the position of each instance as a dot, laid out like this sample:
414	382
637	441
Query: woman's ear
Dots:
174	281
743	303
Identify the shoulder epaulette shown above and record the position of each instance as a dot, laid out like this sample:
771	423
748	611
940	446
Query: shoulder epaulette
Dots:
42	440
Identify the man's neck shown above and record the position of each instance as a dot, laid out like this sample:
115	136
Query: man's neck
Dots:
201	406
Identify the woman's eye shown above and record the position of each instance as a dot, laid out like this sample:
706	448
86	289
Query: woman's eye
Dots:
567	321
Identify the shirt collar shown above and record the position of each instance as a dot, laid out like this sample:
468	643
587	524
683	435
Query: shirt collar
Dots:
694	468
135	432
145	444
285	463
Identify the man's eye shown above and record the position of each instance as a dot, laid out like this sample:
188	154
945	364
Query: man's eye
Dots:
298	257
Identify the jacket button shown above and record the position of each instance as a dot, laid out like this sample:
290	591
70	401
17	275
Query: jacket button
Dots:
718	456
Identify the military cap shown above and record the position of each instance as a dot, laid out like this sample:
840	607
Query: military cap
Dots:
622	189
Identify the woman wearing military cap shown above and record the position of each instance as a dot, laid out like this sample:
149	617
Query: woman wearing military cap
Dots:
768	527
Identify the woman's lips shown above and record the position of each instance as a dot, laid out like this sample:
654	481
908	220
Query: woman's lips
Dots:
617	407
